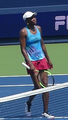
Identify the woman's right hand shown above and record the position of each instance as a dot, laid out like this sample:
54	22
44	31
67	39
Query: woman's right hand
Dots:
32	67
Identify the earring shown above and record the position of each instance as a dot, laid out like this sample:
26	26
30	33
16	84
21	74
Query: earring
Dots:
27	23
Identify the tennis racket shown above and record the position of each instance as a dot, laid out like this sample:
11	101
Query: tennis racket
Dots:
51	80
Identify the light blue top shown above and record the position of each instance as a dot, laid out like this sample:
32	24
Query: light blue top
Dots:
33	45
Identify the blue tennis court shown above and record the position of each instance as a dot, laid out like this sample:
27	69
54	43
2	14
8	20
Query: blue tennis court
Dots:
18	84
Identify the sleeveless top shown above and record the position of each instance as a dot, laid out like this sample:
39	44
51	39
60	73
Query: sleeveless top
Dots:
33	45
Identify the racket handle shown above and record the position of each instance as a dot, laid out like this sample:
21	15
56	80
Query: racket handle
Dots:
25	65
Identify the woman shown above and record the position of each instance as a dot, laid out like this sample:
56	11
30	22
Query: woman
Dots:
36	56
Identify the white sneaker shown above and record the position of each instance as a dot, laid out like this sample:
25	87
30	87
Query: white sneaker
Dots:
28	114
48	116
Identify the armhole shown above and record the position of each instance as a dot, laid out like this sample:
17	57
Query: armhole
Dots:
38	29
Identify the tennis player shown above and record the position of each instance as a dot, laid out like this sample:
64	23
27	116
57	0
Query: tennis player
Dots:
36	56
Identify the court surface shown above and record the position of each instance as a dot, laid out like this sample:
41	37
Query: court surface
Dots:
17	84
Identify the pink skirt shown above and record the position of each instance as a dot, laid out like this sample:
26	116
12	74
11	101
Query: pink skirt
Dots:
39	65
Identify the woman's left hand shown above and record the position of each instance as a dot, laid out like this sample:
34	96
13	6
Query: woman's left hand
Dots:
50	64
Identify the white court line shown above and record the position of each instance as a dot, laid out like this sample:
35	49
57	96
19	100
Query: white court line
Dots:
16	76
29	75
32	117
55	117
61	117
22	85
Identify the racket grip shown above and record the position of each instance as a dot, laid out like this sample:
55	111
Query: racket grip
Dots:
25	65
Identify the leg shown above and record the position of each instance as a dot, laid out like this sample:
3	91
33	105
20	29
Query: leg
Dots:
45	96
36	86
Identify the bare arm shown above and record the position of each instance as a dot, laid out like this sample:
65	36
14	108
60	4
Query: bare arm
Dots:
22	37
44	48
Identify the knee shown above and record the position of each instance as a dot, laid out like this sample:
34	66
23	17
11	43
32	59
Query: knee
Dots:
45	81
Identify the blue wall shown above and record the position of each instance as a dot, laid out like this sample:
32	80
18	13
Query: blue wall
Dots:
11	24
27	3
11	12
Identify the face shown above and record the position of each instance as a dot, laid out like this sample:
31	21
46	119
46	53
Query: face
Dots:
32	20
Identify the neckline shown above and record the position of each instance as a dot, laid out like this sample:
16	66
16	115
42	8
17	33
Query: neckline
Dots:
33	33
